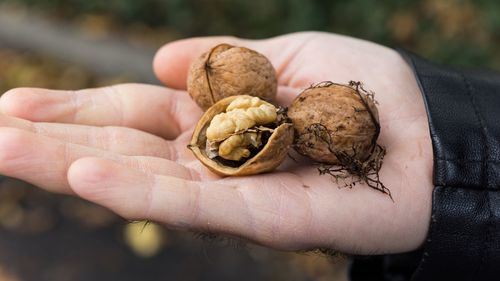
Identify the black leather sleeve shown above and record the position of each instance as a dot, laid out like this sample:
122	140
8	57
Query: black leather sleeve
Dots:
463	107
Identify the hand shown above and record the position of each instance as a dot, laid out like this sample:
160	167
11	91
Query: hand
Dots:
124	147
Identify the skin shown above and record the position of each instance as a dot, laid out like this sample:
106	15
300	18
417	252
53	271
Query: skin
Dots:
124	147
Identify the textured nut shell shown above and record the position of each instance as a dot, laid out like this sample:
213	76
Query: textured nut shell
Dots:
334	107
271	155
226	71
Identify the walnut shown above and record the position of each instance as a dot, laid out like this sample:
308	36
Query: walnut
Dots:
333	119
338	126
226	71
229	127
242	135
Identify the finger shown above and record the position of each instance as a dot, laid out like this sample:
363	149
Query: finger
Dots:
44	161
205	206
153	109
172	61
119	140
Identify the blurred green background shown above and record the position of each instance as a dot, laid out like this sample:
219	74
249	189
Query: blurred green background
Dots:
459	32
52	237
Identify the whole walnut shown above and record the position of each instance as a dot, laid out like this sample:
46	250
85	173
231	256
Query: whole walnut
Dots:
333	120
226	71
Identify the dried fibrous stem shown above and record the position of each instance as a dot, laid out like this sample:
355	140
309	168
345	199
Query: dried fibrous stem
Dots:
351	169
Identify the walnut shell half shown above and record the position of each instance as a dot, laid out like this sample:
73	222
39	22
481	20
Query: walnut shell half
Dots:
269	156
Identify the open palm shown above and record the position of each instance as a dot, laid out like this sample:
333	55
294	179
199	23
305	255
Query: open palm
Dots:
124	147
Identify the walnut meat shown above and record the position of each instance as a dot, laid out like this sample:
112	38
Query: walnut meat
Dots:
333	120
226	71
242	135
235	147
241	114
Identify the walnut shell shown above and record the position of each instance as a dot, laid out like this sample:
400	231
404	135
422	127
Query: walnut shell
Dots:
332	118
226	71
269	157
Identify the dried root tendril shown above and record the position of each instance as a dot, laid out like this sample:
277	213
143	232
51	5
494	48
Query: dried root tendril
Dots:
351	169
358	86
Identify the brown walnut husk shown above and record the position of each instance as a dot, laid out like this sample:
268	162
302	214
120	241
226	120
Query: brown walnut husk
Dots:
343	114
273	152
338	126
226	71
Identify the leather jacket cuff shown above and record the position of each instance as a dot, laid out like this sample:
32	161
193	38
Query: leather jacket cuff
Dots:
463	107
